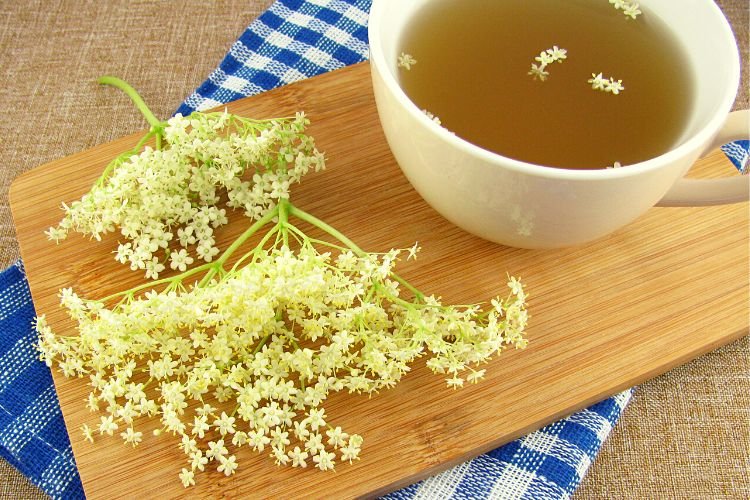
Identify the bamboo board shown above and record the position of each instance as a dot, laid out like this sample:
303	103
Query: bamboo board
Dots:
605	316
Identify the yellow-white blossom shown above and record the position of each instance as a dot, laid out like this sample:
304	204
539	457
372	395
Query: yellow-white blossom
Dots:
159	198
272	338
630	8
406	61
246	355
545	58
611	86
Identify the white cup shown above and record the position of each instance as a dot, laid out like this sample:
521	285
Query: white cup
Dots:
531	206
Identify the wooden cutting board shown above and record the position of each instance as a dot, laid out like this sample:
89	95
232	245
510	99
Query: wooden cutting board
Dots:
605	316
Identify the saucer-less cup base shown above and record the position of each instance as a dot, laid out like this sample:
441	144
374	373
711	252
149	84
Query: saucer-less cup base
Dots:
531	206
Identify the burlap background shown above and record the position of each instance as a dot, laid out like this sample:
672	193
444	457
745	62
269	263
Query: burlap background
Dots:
685	435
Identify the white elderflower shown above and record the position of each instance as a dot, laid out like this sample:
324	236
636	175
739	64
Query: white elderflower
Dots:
107	425
630	8
88	434
153	268
224	424
316	418
239	438
350	453
258	439
157	198
216	449
597	81
279	455
188	445
180	260
352	449
197	460
336	437
270	338
611	86
298	457
187	477
227	465
314	443
324	460
131	436
406	61
475	376
614	87
538	72
545	58
556	54
200	426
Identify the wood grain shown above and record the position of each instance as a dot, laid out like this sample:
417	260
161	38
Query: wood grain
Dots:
605	316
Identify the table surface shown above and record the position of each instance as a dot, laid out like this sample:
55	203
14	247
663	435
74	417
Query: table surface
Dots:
684	435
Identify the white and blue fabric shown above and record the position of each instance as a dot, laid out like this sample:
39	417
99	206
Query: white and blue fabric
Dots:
293	40
738	153
32	431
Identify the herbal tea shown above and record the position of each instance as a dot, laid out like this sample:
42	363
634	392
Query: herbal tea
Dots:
576	84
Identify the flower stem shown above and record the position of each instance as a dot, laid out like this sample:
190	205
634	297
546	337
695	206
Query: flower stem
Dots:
219	263
151	284
284	207
302	215
268	217
133	94
260	344
254	252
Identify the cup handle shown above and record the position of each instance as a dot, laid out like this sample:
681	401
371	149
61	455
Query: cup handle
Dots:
702	192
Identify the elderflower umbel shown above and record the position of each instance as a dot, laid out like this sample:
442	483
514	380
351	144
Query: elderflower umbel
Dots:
272	339
159	198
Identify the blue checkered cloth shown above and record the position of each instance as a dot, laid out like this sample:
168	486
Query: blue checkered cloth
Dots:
291	41
32	431
738	153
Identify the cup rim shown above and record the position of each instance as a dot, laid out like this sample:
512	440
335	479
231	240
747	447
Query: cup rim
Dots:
696	140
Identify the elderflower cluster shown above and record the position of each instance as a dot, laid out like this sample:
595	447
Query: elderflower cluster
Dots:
248	359
630	8
162	199
545	58
610	86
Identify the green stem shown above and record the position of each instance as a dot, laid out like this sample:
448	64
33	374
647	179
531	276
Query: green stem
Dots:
254	251
261	344
415	291
247	234
133	94
284	206
302	215
211	267
152	284
210	274
218	264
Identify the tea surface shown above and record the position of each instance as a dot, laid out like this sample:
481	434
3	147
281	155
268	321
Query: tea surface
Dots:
472	72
